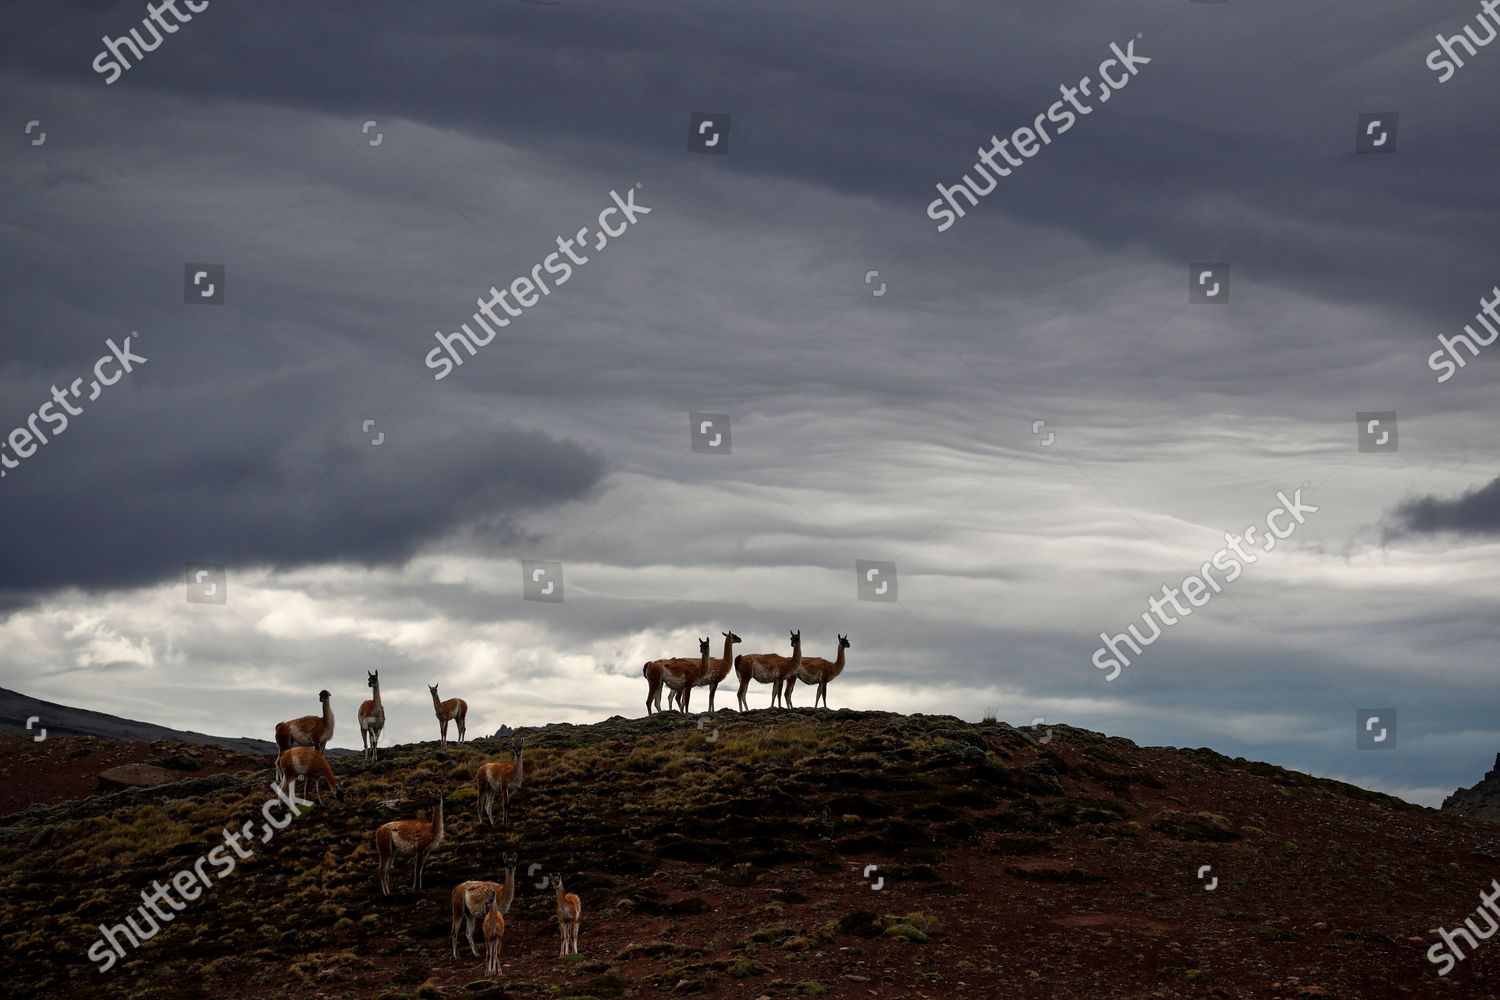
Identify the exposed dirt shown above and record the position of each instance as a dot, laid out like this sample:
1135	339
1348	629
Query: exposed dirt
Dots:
62	769
734	860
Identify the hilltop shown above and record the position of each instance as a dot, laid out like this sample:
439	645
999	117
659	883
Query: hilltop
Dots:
732	858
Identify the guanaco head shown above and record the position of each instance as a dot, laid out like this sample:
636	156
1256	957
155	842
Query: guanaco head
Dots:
489	900
703	646
510	862
433	689
555	879
324	696
731	637
843	642
796	639
374	679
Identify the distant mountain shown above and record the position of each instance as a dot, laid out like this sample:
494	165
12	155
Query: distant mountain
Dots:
60	720
1479	801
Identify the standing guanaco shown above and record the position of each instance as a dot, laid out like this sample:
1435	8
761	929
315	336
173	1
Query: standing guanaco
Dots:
673	671
309	730
416	837
500	778
569	911
768	668
816	670
494	934
371	717
468	902
454	708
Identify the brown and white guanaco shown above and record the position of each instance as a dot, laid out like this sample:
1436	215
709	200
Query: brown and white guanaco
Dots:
671	672
308	731
768	668
502	779
371	716
494	934
309	765
816	670
454	709
569	912
416	837
469	902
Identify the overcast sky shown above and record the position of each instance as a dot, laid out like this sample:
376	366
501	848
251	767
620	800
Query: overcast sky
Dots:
894	426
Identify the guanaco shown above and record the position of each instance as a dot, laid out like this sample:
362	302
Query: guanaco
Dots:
768	668
682	675
676	672
454	708
816	670
416	837
494	934
371	716
469	906
569	911
308	731
500	778
309	765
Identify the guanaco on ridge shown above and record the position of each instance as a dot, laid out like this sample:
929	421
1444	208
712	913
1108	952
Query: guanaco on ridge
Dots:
454	709
816	670
371	717
310	730
768	668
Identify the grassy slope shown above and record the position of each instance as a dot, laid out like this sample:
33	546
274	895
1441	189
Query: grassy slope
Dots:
729	860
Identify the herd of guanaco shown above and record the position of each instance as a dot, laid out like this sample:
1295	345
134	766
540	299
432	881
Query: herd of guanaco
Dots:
681	674
301	744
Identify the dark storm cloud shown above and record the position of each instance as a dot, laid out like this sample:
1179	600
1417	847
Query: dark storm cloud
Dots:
1210	151
117	512
1476	512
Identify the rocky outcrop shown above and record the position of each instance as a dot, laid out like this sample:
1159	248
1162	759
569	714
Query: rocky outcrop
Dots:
1481	801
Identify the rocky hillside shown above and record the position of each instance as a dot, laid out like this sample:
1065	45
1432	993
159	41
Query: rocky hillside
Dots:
777	854
61	720
1480	801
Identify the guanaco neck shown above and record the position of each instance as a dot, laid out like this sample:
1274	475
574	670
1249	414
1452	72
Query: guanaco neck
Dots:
437	703
838	663
327	715
520	766
725	663
376	697
437	820
509	892
561	894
